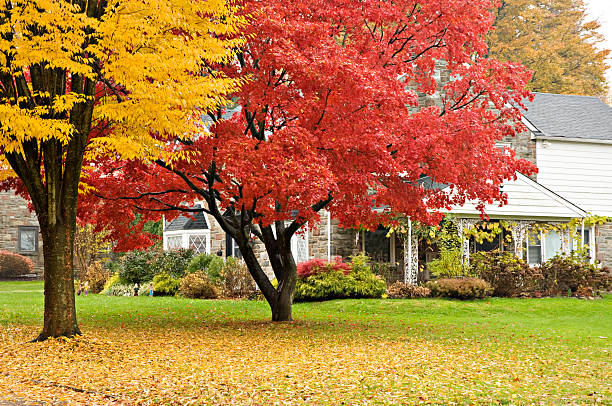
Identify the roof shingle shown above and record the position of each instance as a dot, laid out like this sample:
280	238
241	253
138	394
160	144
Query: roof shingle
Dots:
570	116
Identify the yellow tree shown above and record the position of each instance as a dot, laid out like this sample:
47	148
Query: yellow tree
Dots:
556	41
84	78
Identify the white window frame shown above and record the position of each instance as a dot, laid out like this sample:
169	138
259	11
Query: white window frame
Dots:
185	234
590	243
294	242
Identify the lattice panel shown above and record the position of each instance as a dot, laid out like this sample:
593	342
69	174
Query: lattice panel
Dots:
299	247
198	243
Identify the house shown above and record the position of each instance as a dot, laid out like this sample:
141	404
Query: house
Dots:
19	231
569	138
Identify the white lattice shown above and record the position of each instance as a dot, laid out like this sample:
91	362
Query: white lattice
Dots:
462	225
175	242
299	247
197	243
411	256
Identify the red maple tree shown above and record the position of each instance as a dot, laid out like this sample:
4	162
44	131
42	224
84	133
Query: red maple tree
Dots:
329	117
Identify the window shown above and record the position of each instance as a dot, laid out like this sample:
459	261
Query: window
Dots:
175	242
199	243
534	248
27	239
486	245
552	245
231	248
377	245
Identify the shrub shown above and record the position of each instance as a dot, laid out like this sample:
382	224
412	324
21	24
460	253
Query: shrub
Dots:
14	265
198	285
460	288
572	273
401	290
333	283
315	266
509	275
137	266
173	262
367	285
211	264
119	289
237	281
110	282
448	264
165	285
327	285
96	276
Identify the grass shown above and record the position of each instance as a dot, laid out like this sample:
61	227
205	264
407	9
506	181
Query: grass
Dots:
140	350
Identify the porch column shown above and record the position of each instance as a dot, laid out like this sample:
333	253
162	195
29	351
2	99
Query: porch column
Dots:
462	225
411	256
519	234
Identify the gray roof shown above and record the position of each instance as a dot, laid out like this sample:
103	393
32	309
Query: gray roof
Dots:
569	116
195	221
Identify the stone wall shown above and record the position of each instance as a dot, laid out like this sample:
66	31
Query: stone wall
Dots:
14	213
524	147
603	244
343	241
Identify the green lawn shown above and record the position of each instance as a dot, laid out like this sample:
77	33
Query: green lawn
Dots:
140	350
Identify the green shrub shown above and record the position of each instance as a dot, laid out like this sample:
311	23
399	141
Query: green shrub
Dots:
448	264
95	277
509	275
573	274
332	283
367	284
110	282
173	262
14	265
165	285
137	266
460	288
401	290
211	264
237	281
197	285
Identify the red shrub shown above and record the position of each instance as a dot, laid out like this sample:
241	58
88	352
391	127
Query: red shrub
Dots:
315	266
14	265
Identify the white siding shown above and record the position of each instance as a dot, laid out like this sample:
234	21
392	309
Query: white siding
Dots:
580	172
526	199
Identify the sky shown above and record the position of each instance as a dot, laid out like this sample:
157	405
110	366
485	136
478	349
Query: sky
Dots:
602	11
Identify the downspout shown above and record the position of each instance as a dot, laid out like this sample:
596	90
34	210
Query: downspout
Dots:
328	236
582	234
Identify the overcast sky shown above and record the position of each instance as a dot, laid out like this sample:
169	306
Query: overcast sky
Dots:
602	11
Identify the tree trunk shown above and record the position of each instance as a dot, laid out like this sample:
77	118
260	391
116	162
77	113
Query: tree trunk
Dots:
281	308
60	312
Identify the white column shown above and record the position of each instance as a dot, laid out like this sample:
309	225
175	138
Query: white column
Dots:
411	256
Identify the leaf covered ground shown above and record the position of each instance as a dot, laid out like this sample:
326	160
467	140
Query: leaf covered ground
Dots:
358	352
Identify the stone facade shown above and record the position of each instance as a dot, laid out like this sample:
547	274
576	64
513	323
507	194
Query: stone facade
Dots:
14	213
603	244
525	148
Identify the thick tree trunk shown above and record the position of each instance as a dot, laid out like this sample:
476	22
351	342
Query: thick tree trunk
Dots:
281	308
287	278
60	312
